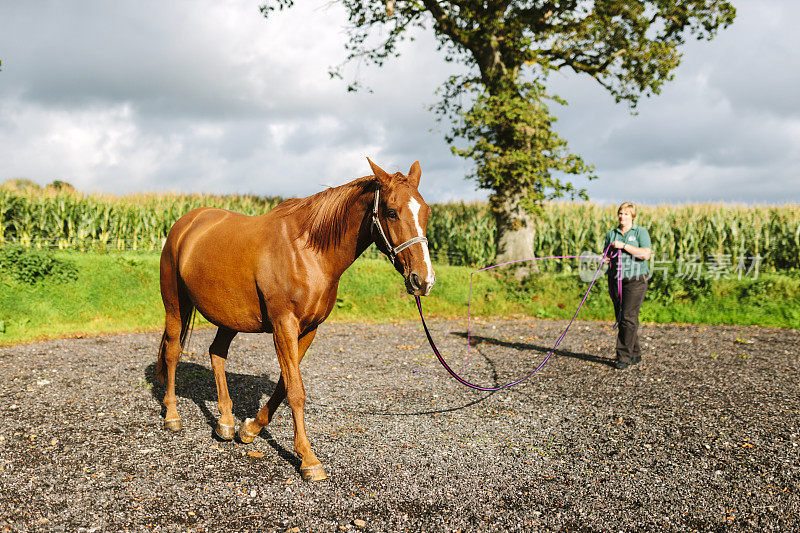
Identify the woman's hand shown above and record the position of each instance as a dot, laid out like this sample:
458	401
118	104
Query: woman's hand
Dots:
638	253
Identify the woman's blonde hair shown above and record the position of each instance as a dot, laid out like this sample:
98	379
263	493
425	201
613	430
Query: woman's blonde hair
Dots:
628	206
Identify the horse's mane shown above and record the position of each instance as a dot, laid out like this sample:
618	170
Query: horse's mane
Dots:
323	216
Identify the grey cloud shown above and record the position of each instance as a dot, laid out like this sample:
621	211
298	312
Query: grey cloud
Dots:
128	96
725	129
338	132
719	141
70	55
755	63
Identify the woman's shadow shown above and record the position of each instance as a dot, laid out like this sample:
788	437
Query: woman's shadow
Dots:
196	383
476	340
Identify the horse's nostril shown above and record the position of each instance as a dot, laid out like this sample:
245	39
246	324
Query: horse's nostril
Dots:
415	281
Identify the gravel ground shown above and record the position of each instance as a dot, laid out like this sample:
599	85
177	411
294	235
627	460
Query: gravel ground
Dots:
702	435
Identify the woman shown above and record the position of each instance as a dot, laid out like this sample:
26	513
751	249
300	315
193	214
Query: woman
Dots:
628	255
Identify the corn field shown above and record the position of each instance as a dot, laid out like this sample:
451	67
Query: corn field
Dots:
459	233
681	231
71	220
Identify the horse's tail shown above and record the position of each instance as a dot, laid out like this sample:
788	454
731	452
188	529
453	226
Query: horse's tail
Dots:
161	364
187	325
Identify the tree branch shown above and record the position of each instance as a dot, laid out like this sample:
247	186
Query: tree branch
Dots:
447	24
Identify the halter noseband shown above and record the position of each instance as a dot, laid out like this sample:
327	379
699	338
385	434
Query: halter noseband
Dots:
392	252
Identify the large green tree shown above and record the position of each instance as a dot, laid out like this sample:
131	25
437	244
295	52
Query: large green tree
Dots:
509	48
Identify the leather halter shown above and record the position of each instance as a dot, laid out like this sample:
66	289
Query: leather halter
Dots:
392	251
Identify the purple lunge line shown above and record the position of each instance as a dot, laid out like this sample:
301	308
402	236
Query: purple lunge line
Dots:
550	353
523	260
469	298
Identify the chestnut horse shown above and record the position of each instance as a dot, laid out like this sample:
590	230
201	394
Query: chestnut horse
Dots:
279	273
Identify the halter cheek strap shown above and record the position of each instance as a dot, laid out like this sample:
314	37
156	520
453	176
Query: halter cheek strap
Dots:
391	252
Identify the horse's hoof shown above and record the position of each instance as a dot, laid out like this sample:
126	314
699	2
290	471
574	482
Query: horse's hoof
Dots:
244	436
313	473
173	424
224	431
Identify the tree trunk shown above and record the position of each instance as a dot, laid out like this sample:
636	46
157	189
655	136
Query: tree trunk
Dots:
515	233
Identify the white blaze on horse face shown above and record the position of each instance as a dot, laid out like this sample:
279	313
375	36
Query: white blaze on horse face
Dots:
415	206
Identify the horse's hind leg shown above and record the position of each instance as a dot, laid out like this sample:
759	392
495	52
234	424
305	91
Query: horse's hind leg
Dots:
225	427
178	311
170	351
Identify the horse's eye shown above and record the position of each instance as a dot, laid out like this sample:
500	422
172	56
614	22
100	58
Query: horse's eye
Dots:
391	213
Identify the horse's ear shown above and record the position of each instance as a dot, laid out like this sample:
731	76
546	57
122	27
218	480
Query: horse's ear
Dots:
415	174
379	172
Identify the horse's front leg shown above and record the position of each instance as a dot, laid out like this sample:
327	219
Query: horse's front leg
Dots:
251	427
290	351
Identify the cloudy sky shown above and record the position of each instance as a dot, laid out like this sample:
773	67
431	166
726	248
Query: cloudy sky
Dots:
208	96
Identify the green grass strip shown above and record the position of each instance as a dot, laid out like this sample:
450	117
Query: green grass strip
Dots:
119	292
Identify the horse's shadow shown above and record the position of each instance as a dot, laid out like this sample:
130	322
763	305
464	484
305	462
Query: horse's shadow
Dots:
476	340
196	383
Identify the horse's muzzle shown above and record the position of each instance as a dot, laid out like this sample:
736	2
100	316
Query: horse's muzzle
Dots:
418	286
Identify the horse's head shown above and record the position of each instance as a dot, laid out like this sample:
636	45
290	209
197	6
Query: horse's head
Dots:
399	222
